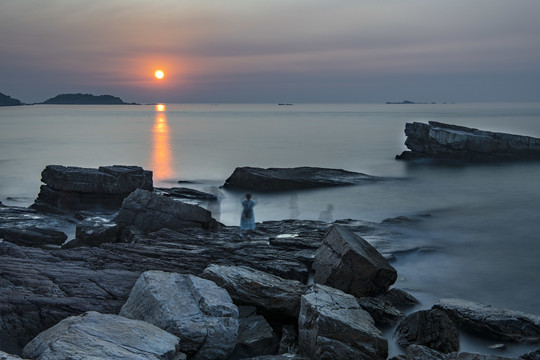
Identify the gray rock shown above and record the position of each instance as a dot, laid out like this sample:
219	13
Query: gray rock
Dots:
254	287
497	323
74	188
382	312
533	355
416	352
474	356
99	336
6	356
289	340
332	325
282	179
400	298
255	338
94	231
150	212
33	236
200	313
279	357
443	141
185	193
431	328
349	263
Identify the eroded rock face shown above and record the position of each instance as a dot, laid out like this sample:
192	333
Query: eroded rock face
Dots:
282	179
151	212
99	336
349	263
196	310
254	287
443	141
500	324
431	328
332	325
71	188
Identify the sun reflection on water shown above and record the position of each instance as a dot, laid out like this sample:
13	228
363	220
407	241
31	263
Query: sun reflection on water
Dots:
161	146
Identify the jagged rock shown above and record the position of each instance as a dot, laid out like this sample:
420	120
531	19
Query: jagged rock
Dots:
185	193
100	336
75	188
282	179
332	325
94	231
497	323
443	141
349	263
254	287
382	312
431	328
289	340
416	352
33	236
255	337
150	212
200	313
279	357
400	298
533	355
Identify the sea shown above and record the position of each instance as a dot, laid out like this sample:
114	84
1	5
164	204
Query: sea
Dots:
479	224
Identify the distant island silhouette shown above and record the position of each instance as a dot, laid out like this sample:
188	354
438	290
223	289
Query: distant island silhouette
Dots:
85	99
6	100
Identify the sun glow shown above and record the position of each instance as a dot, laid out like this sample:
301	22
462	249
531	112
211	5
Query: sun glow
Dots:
160	107
159	74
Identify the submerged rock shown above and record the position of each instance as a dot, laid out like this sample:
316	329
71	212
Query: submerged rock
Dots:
196	310
497	323
75	188
332	325
349	263
103	336
451	142
283	179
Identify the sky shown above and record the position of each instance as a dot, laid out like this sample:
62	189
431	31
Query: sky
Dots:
297	51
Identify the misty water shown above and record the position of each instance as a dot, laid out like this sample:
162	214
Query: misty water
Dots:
479	224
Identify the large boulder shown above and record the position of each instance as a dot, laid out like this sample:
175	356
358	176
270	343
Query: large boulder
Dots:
75	188
103	336
255	335
33	236
443	141
282	179
431	328
382	312
254	287
94	231
196	310
349	263
497	323
150	212
332	325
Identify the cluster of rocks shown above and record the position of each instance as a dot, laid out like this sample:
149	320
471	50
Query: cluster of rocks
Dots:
436	140
163	280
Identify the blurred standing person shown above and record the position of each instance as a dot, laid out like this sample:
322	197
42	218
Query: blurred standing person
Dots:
247	219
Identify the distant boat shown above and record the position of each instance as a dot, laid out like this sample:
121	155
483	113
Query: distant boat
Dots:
285	104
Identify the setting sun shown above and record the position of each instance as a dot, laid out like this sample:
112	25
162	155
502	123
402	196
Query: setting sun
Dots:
159	74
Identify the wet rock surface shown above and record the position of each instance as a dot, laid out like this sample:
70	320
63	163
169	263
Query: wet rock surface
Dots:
283	179
451	142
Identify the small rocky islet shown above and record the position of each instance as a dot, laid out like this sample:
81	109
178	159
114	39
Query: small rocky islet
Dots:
150	277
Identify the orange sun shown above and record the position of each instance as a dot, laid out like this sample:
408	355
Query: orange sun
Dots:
159	74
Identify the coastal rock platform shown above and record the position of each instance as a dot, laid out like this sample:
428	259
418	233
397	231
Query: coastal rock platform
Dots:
441	141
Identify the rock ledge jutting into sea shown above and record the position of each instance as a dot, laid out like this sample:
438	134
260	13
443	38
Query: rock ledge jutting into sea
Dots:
451	142
283	179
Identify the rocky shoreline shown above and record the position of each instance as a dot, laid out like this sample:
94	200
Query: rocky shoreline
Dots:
161	279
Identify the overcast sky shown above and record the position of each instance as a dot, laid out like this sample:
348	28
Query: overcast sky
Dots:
272	51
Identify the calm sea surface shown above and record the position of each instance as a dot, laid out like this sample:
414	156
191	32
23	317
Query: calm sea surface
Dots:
484	223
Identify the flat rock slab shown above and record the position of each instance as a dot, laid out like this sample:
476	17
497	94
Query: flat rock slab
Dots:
349	263
444	141
98	336
332	325
485	320
70	188
196	310
284	179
